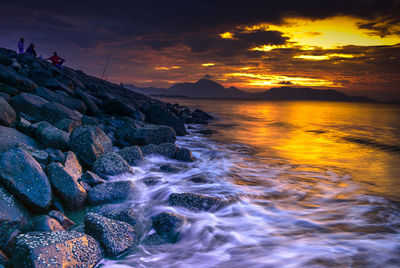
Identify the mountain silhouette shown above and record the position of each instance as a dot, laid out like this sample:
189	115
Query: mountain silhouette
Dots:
206	88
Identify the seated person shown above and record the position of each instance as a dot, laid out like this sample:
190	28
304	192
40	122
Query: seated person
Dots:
56	60
31	50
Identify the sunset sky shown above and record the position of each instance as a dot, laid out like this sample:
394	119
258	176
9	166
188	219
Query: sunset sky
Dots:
351	46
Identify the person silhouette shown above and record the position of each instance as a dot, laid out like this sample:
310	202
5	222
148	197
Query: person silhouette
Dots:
31	50
21	46
56	60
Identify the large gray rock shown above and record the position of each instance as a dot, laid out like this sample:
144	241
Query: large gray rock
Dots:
91	178
12	215
67	124
10	137
111	164
120	214
25	179
8	117
148	134
66	187
165	149
184	154
196	202
43	223
9	76
89	143
51	136
12	91
161	116
201	115
111	192
132	155
42	157
167	225
54	112
72	166
116	106
29	104
92	107
56	249
62	219
54	84
115	237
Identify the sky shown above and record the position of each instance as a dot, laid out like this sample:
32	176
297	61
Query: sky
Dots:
351	46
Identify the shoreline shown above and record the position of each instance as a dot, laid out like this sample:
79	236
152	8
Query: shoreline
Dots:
64	134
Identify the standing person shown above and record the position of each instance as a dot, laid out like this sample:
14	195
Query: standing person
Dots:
31	49
56	60
21	46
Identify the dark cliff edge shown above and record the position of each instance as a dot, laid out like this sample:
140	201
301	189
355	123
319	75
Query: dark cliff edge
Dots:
63	134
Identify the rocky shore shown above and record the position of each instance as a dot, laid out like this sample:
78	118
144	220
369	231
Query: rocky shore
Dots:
63	135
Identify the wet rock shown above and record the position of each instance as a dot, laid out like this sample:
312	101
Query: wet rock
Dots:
151	181
54	111
201	114
42	157
121	214
110	192
24	126
116	106
22	175
194	120
54	84
89	143
199	180
8	240
148	134
10	137
91	178
12	215
29	104
45	93
57	204
160	116
72	166
196	202
67	124
10	77
167	225
165	149
66	187
89	121
8	116
8	89
56	249
85	186
62	219
115	237
132	155
168	168
43	223
111	164
92	107
55	155
184	154
51	136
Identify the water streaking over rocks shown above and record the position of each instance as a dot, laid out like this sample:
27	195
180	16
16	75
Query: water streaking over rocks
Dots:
280	214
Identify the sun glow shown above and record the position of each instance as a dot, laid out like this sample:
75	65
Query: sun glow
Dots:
208	64
167	68
226	35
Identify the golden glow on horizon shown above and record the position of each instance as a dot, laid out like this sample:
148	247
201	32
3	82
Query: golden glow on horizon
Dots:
328	33
263	80
323	57
226	35
167	68
207	64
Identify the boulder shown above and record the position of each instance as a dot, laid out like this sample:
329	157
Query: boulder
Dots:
55	155
72	166
115	237
5	96
92	107
43	223
89	121
201	115
132	155
54	84
24	126
29	104
165	149
12	215
148	134
111	164
4	261
184	154
85	186
12	91
196	202
10	77
54	111
91	178
121	214
8	116
168	168
66	187
194	120
56	249
51	136
23	176
110	192
167	225
10	137
45	93
89	143
160	116
42	157
67	124
62	219
117	106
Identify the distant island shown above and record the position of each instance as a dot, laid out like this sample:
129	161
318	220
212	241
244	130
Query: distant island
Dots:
208	89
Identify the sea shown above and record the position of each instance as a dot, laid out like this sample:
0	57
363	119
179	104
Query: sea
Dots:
315	184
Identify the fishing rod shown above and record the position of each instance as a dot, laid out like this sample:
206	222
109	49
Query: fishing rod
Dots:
105	66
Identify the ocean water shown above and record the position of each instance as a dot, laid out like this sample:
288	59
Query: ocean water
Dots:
316	184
